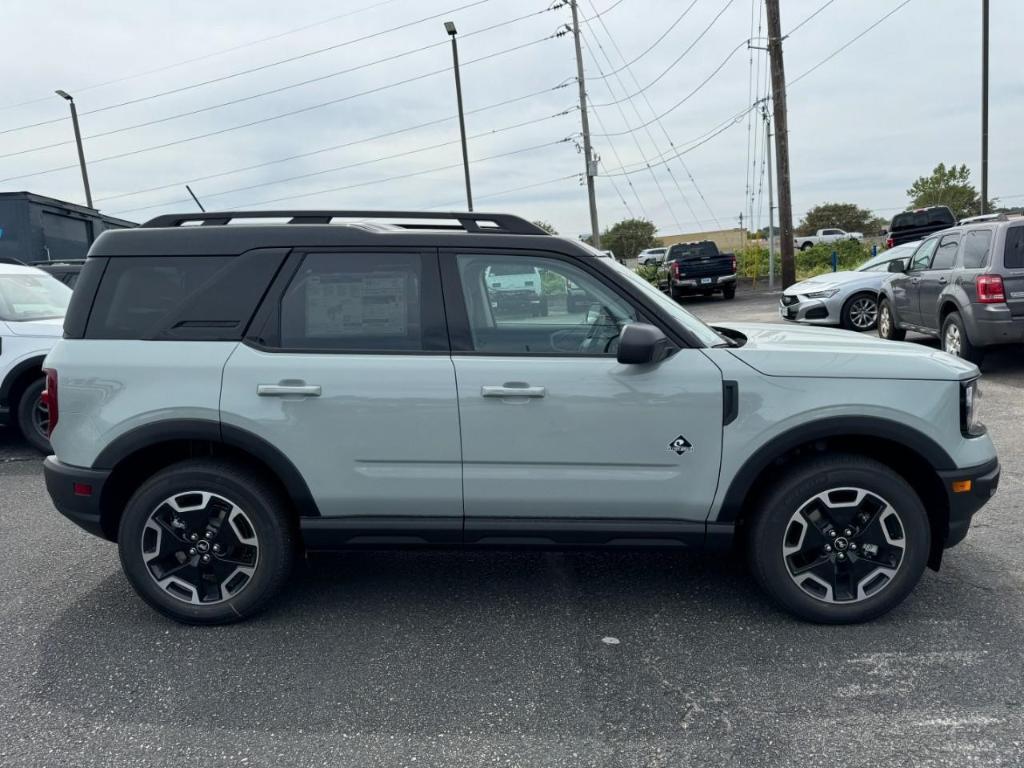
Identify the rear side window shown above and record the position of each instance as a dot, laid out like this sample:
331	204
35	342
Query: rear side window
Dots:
354	302
975	250
945	255
185	298
1013	252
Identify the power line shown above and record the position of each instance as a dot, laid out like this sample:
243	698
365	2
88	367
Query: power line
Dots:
204	57
361	163
279	116
649	48
354	142
508	191
690	94
629	181
632	134
664	131
405	175
261	94
846	45
678	58
263	67
820	9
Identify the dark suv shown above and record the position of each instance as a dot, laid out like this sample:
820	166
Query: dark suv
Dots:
964	285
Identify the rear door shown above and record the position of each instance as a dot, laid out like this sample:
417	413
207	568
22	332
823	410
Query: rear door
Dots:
346	370
935	279
556	434
905	286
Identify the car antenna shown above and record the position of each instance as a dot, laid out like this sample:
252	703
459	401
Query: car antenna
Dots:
195	198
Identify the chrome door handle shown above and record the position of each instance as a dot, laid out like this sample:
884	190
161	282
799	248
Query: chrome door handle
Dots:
511	390
279	390
943	280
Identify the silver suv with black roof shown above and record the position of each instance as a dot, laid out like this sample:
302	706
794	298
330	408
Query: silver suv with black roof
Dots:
229	395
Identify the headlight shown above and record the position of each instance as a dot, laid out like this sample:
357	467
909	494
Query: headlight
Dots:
970	404
828	293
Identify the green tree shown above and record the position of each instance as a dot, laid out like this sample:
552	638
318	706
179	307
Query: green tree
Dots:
547	226
948	186
628	237
845	216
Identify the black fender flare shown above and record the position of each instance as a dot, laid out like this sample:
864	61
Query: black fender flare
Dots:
16	372
822	429
139	438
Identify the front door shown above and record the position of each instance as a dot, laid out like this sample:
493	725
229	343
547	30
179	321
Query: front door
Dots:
554	429
350	377
905	287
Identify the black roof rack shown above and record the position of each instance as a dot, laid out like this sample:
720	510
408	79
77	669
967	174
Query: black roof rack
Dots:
498	223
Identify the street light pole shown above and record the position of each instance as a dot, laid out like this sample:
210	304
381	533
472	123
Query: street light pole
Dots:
78	141
450	29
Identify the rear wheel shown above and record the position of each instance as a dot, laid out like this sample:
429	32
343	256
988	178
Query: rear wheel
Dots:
887	323
839	539
729	292
33	417
206	541
860	312
955	340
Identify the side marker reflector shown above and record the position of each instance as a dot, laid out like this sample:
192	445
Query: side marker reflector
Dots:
962	486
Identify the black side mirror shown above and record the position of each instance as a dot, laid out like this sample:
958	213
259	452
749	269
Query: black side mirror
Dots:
640	343
897	265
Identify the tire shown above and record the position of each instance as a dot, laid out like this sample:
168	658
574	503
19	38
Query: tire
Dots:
729	293
887	323
955	341
251	531
806	246
674	294
860	312
32	421
869	567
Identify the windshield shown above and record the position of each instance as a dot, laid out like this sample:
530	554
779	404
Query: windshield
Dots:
899	252
705	334
32	297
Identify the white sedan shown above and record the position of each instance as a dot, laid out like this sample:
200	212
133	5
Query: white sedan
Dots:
847	299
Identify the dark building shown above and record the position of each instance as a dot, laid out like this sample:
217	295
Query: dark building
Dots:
36	229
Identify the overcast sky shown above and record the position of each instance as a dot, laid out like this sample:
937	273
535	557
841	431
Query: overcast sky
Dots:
863	125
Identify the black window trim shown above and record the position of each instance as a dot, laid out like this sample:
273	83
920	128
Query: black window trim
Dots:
460	334
264	331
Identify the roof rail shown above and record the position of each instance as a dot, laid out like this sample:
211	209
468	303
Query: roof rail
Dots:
499	223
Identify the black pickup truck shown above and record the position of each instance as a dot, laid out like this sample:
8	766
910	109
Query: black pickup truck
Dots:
697	268
911	226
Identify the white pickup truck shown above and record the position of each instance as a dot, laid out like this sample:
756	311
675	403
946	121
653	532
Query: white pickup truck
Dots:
825	236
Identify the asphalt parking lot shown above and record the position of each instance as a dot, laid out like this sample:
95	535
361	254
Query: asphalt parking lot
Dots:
547	659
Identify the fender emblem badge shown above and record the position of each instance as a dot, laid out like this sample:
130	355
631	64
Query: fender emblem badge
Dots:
680	445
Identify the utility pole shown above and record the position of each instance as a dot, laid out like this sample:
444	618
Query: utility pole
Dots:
78	141
781	142
984	105
590	162
449	27
771	200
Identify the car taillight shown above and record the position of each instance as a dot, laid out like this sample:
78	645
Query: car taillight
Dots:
733	263
889	242
49	399
990	289
675	268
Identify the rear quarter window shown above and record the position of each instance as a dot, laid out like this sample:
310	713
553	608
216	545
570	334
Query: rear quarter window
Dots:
1013	251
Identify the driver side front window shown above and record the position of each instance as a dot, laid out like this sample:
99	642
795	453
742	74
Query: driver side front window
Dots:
537	305
923	255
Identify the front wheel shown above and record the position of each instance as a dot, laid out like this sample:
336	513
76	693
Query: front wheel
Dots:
860	312
33	416
806	246
887	323
206	541
956	342
839	539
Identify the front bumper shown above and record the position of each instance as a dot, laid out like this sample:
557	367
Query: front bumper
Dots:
76	493
984	481
811	311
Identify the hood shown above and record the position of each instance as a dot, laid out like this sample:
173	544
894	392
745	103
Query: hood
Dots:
834	280
53	326
780	350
